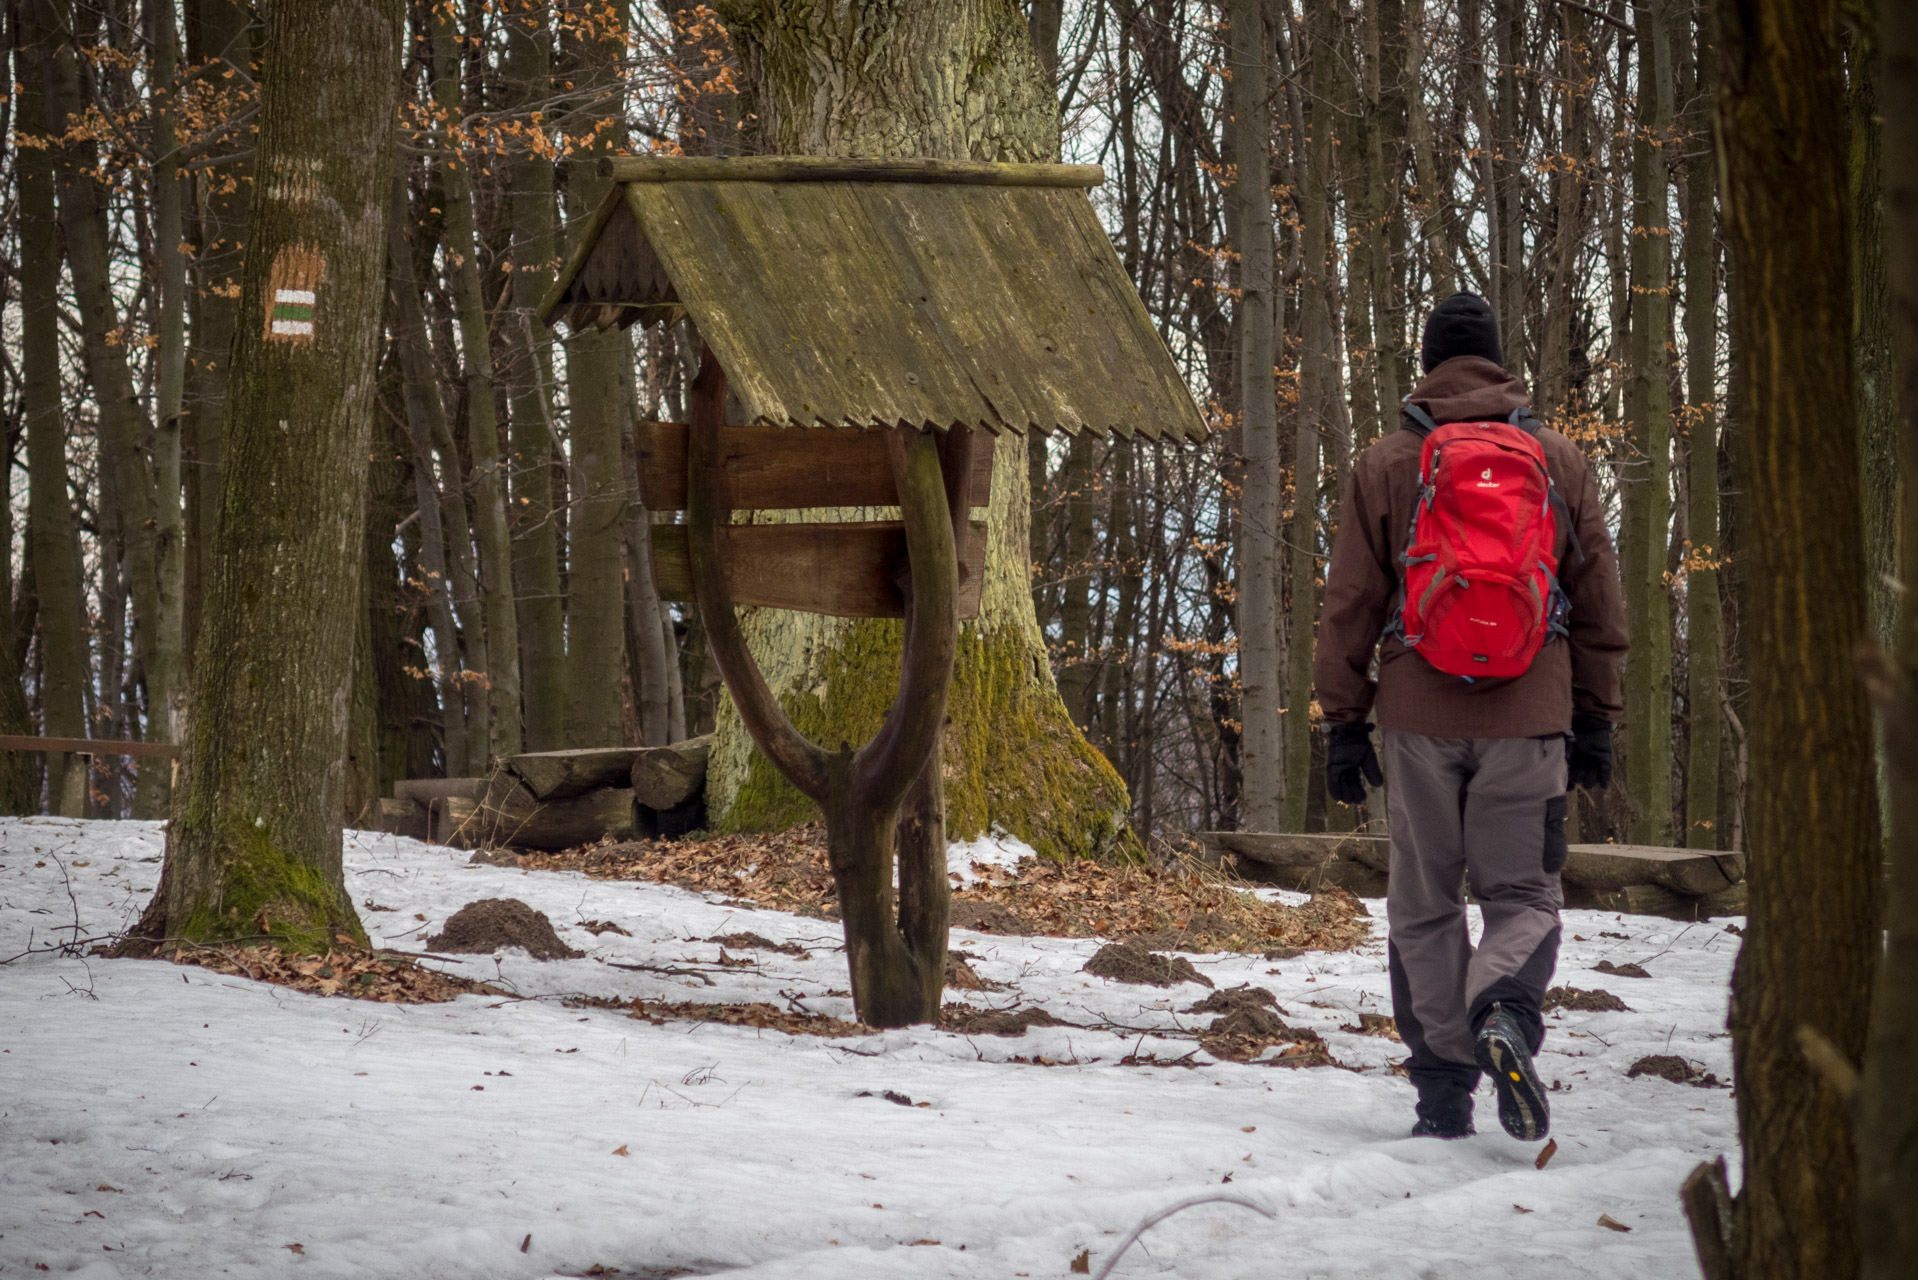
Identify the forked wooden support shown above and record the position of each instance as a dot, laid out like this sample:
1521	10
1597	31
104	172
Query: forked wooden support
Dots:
885	799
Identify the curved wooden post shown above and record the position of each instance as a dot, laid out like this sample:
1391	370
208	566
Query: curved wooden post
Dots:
707	509
897	963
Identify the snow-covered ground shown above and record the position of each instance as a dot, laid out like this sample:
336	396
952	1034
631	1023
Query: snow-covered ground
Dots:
169	1121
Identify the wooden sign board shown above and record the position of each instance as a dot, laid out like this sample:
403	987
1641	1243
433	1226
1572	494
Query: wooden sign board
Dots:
846	570
779	468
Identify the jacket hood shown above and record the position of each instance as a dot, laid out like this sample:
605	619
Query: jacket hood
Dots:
1469	389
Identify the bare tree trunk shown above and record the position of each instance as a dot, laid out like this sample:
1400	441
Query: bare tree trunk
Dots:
1074	658
221	30
482	418
1704	623
1648	667
254	848
595	601
1887	1105
152	562
1430	200
426	420
1805	968
541	611
1260	679
63	647
1318	392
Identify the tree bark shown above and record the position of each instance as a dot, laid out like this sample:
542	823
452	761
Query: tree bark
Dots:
1318	393
951	79
255	845
541	615
1812	935
595	41
1648	667
63	648
153	562
1887	1106
1260	678
482	414
1871	339
1704	622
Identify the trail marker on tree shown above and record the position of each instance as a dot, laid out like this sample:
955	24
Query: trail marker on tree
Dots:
869	317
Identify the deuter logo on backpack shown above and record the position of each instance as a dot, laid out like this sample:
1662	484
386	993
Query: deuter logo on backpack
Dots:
1478	587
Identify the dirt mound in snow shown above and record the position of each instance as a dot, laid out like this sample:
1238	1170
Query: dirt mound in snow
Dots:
1594	1001
991	917
492	923
1249	1030
1232	999
755	942
969	1020
1669	1066
1130	962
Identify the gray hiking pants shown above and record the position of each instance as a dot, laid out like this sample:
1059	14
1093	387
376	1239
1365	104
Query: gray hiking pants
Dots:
1493	809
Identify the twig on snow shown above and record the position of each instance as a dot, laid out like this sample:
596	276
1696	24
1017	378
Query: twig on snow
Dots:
1217	1197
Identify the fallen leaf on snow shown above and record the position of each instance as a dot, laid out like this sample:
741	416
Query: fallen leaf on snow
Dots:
1546	1153
1610	1223
296	1248
621	1150
1082	1265
1521	1208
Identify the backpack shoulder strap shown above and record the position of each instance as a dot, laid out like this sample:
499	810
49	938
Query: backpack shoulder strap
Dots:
1417	421
1523	418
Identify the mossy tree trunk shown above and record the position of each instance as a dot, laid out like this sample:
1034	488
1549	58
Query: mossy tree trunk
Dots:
254	848
950	79
1805	968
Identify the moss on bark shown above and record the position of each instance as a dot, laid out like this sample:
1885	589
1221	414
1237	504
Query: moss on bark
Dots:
265	890
1011	758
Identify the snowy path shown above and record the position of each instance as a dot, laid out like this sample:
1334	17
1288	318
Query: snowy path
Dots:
183	1123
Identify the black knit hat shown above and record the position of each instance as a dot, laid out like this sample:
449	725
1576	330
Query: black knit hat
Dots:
1462	325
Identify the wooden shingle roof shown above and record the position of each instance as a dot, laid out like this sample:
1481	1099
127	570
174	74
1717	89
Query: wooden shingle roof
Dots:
868	293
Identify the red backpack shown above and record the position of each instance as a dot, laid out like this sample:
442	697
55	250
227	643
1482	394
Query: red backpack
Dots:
1479	594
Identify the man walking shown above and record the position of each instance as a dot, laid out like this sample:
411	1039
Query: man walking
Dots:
1472	542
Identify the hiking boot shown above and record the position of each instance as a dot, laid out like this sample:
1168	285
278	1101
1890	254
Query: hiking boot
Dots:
1504	1056
1450	1132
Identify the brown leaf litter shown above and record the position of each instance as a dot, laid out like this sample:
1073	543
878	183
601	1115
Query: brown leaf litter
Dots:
384	976
1175	906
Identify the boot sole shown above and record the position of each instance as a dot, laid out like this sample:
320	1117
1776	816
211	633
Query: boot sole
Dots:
1522	1107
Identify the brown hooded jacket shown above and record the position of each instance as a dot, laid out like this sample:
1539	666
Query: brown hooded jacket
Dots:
1579	672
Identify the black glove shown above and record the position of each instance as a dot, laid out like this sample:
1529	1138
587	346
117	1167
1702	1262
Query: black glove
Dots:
1348	754
1588	753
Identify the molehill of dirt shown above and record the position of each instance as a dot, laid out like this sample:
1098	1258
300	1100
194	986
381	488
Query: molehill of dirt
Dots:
1595	1001
1669	1066
1131	962
969	1020
493	923
1232	999
1249	1030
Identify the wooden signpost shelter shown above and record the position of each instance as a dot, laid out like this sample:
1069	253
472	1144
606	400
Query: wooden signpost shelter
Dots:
869	319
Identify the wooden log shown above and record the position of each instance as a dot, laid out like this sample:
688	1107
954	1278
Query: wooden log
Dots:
975	173
846	570
779	468
453	820
520	819
559	775
422	790
667	777
401	818
1690	872
96	746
